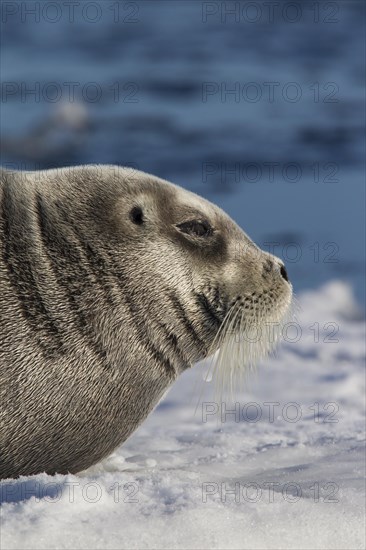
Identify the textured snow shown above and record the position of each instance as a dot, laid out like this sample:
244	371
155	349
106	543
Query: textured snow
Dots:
289	474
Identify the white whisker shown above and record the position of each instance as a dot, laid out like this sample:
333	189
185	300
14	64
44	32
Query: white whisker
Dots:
244	339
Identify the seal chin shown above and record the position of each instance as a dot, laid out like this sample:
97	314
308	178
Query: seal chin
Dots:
248	332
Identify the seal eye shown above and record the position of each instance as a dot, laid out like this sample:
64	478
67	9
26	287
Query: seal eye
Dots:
136	215
197	228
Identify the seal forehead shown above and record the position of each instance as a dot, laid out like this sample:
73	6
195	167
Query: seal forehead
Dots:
194	201
175	201
190	204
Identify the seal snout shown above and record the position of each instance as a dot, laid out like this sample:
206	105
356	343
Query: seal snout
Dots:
271	265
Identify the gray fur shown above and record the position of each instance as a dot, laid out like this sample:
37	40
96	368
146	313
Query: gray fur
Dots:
98	314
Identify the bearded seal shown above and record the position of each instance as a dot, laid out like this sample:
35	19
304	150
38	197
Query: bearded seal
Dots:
112	283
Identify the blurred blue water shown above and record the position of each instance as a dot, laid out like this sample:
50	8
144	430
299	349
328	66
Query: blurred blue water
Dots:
283	153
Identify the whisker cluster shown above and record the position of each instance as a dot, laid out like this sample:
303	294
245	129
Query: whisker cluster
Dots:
249	332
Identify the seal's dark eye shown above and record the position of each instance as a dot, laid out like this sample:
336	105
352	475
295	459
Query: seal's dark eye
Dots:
136	215
197	228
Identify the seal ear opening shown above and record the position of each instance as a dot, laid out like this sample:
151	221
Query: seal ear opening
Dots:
137	215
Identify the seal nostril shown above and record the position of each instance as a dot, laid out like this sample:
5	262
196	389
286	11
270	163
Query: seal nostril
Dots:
284	273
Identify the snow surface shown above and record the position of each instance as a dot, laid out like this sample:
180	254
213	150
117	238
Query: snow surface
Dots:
297	474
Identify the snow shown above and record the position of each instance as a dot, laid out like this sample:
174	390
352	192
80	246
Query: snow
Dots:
284	470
